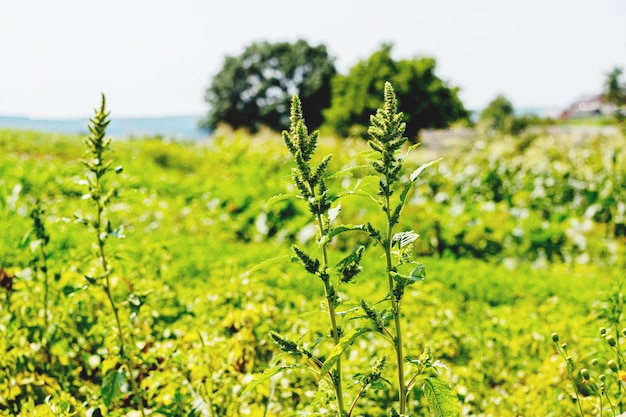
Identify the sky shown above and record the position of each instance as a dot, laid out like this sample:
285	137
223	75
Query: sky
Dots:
156	57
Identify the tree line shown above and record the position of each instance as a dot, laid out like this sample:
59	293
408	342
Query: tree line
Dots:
254	89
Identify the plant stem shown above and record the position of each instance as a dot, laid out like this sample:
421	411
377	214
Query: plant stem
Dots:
44	256
356	399
126	359
395	305
570	372
330	300
608	400
97	144
37	214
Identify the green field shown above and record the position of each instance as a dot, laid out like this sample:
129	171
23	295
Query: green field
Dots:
520	237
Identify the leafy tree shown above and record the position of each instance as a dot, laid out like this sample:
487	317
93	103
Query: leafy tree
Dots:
427	101
498	115
255	88
615	90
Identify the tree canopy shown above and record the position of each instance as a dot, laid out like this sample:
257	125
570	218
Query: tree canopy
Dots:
499	117
498	114
426	100
615	88
254	89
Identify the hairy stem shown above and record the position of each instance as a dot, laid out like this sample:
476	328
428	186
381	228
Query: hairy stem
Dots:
46	282
98	166
395	305
356	399
126	359
330	300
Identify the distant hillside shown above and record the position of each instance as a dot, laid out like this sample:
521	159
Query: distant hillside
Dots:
179	127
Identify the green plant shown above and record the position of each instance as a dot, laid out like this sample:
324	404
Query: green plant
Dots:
98	165
387	128
569	361
40	247
605	383
387	132
310	182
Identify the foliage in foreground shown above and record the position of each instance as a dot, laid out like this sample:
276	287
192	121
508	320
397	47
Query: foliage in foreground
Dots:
194	225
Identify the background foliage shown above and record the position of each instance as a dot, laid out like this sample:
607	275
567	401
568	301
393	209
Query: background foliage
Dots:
425	99
254	89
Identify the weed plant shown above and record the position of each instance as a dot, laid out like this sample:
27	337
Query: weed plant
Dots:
602	382
386	130
201	343
40	248
98	165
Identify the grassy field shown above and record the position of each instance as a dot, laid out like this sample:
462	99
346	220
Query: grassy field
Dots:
520	236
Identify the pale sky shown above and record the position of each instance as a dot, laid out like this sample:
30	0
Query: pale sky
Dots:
156	57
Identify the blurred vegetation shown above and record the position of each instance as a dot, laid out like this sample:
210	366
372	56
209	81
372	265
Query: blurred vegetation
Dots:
426	101
615	91
254	88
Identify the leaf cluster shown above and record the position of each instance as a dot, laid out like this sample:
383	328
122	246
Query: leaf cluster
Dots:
428	101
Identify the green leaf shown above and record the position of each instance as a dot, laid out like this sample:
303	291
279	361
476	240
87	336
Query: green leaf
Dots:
34	244
410	150
371	180
404	238
118	233
352	257
112	386
413	177
91	280
345	228
135	301
280	197
379	386
24	242
421	169
333	213
441	397
60	348
267	374
70	289
345	342
345	172
417	274
269	262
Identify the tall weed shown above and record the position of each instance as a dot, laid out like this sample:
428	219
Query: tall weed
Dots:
401	271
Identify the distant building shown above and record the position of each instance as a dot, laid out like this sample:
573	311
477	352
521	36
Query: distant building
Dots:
589	106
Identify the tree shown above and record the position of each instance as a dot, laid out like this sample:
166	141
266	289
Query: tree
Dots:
615	91
427	101
498	115
254	89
